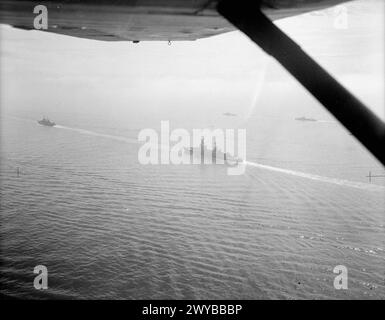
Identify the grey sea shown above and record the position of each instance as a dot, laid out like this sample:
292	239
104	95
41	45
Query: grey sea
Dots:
107	227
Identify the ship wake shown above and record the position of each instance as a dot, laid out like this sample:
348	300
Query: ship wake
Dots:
96	134
335	181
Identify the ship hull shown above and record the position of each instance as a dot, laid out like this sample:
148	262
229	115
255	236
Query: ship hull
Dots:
51	124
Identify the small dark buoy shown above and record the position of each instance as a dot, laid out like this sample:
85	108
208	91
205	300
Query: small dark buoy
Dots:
135	41
18	172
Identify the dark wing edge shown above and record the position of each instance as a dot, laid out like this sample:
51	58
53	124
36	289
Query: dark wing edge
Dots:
141	20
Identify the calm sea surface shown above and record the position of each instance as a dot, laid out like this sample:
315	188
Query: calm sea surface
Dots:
107	227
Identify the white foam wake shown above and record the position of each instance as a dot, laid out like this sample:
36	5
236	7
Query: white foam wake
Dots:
96	134
340	182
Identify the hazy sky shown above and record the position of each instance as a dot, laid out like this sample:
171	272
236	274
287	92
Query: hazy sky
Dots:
46	71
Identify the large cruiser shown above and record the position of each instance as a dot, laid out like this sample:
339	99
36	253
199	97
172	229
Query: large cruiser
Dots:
46	122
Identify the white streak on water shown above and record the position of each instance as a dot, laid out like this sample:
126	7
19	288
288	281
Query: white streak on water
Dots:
96	134
340	182
335	181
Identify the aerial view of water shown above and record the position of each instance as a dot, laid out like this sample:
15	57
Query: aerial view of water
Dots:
76	198
108	227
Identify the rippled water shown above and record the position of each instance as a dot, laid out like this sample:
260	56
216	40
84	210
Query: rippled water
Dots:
107	227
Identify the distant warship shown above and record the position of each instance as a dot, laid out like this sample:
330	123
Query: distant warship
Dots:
204	153
46	122
305	119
